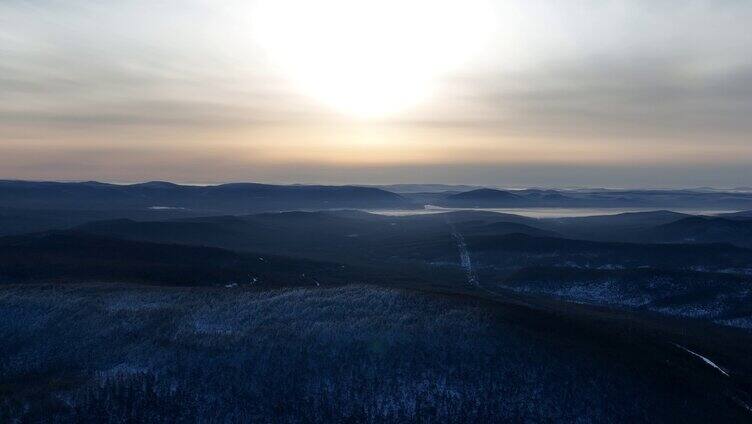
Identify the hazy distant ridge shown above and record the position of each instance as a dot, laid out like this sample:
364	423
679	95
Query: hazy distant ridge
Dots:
224	198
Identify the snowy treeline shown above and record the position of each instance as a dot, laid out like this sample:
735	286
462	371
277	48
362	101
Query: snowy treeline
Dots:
722	298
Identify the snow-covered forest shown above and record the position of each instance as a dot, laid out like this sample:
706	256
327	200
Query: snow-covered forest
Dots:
348	354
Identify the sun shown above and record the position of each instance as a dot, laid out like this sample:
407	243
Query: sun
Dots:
370	58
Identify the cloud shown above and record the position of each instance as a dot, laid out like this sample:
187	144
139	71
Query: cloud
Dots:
668	75
641	99
661	70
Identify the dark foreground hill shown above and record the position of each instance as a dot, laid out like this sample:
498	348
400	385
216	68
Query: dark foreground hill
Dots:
15	221
73	256
631	226
704	230
76	257
707	281
520	250
493	242
336	235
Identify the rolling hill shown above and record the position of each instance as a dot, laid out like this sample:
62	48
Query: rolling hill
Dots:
700	229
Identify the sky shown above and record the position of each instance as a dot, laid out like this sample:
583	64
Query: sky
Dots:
512	93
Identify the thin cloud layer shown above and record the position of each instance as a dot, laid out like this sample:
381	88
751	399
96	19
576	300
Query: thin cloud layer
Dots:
601	86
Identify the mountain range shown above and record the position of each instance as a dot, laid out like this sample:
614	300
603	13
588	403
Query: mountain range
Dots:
224	198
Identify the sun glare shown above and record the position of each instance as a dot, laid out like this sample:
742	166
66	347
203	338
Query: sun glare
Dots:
370	58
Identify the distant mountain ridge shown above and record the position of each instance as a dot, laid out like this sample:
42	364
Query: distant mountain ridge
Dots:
423	188
484	194
489	197
224	198
665	199
250	198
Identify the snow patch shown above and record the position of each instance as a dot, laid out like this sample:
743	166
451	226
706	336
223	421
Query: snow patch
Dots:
704	359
